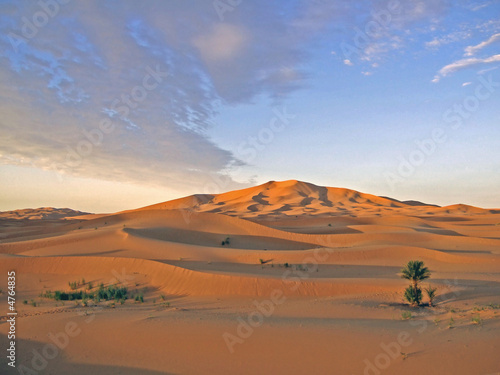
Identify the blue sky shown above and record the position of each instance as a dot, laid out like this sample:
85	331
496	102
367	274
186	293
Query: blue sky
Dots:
110	105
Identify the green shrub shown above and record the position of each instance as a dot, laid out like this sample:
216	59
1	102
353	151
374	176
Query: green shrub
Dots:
415	271
476	319
412	295
431	293
406	315
112	292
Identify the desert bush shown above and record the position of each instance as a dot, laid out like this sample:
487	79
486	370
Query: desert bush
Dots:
415	271
476	319
112	292
431	293
405	315
413	296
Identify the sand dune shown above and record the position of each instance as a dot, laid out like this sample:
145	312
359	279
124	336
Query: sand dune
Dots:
277	200
47	213
205	262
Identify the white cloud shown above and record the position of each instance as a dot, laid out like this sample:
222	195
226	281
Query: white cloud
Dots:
466	84
463	64
476	7
377	49
472	50
448	38
348	62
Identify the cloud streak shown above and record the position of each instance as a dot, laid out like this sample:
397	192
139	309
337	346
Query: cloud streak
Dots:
472	50
463	64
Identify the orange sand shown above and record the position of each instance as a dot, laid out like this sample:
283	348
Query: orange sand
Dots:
332	309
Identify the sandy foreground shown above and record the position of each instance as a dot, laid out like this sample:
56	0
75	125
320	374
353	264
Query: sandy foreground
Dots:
306	282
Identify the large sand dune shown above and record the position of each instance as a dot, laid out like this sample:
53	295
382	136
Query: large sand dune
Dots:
325	261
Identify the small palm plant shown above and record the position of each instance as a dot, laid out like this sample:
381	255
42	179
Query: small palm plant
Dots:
431	293
414	296
415	271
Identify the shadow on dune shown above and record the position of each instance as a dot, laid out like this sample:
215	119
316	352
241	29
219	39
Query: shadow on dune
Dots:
466	251
443	232
325	271
260	199
199	238
443	218
60	363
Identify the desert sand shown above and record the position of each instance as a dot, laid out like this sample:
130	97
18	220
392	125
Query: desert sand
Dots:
282	278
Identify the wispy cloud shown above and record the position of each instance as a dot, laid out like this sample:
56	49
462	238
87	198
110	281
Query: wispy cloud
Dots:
475	6
463	64
472	50
387	28
452	37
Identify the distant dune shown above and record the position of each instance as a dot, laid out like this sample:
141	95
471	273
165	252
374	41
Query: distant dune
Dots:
43	213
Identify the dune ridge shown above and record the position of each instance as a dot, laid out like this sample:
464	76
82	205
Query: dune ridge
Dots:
296	198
